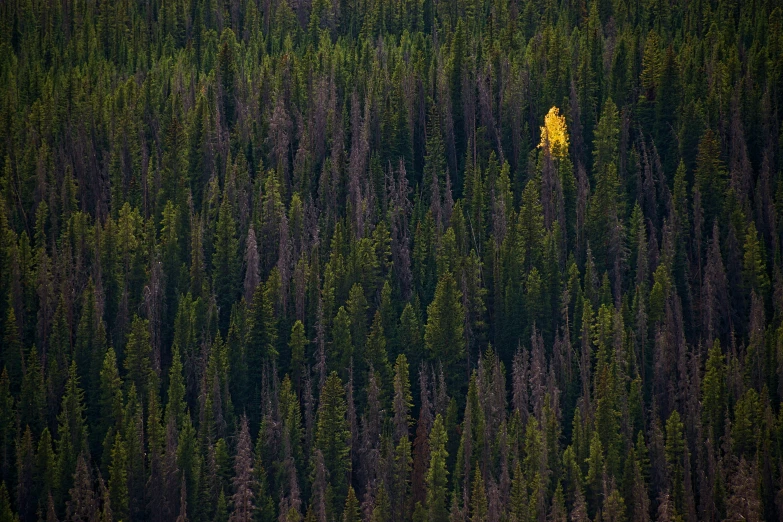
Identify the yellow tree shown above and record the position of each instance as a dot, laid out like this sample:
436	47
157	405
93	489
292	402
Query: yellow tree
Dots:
558	185
554	134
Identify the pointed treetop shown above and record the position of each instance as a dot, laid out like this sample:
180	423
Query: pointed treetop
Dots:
554	134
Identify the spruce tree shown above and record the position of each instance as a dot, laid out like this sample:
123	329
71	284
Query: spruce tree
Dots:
437	475
244	484
72	433
376	356
138	356
225	261
351	510
32	399
83	504
342	347
333	437
443	333
297	344
118	478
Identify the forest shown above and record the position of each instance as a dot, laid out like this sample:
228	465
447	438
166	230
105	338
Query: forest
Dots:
391	260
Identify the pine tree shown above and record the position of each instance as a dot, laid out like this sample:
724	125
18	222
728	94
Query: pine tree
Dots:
437	475
298	344
434	164
674	458
443	334
519	502
754	267
710	176
189	461
32	400
225	261
411	335
261	345
376	355
614	507
6	513
244	484
530	223
176	407
26	493
743	502
595	471
8	427
478	498
89	351
82	504
714	393
341	352
138	356
605	208
72	431
155	486
351	510
333	437
227	70
401	404
174	165
12	353
45	468
118	478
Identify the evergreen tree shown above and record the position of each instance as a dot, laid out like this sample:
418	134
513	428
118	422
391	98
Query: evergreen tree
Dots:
333	436
478	507
754	266
710	176
243	477
138	356
375	350
193	192
25	465
605	209
82	504
225	261
297	343
118	478
401	405
443	333
674	458
32	399
46	469
437	475
342	351
8	427
12	354
227	68
351	510
714	393
72	433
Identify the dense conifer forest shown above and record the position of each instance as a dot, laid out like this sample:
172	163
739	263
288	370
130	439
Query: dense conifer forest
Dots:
389	260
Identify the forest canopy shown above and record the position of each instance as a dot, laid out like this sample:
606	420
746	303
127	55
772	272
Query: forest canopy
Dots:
386	260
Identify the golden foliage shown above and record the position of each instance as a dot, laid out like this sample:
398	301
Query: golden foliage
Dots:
554	134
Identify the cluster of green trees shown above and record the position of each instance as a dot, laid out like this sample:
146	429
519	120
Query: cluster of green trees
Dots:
464	260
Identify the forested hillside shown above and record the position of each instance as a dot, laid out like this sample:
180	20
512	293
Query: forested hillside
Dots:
387	260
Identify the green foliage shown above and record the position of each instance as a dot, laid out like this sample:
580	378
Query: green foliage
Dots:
138	356
342	350
443	333
225	261
118	478
71	430
437	475
332	435
215	214
710	176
